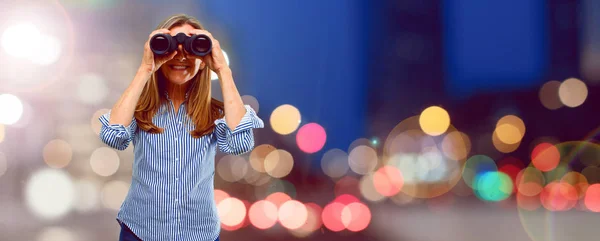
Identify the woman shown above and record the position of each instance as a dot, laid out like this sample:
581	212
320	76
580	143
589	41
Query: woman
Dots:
168	113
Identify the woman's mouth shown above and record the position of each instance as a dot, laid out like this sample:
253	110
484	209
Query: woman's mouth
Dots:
179	67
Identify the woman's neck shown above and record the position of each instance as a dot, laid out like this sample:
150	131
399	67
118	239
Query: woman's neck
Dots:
177	92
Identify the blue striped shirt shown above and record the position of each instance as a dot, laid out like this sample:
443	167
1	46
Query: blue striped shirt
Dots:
171	196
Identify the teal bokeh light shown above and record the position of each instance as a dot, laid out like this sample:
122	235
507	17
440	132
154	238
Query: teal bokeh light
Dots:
493	186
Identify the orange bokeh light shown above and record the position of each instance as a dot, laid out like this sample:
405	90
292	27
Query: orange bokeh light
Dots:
263	214
592	198
332	216
356	216
388	181
545	157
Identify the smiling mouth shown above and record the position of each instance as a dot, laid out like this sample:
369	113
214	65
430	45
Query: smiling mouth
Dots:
179	67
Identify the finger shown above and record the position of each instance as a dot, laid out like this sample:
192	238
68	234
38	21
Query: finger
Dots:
201	31
162	30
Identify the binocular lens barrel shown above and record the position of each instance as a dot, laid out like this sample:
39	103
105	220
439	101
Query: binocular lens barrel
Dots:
162	44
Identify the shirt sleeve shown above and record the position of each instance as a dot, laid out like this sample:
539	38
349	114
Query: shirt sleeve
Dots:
116	136
241	139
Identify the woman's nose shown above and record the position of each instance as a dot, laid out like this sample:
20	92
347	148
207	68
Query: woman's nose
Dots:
181	55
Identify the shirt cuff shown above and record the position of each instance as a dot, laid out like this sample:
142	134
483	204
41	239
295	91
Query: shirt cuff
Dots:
104	119
249	120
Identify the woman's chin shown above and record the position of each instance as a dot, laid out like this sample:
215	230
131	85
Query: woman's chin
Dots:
178	80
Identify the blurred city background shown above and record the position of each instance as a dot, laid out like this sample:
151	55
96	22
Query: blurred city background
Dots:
395	120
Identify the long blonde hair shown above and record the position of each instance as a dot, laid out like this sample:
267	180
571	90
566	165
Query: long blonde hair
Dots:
202	109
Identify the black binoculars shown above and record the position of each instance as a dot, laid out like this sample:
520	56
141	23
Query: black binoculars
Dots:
199	45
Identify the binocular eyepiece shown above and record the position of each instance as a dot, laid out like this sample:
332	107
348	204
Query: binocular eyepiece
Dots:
162	44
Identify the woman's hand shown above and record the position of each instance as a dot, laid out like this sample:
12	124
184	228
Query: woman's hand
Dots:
215	60
151	63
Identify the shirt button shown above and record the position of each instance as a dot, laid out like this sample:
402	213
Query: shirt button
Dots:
176	159
180	122
176	200
175	138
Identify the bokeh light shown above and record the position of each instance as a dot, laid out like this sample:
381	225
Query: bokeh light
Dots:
220	195
11	109
549	95
456	145
572	92
47	50
263	214
16	45
557	196
332	216
360	142
279	163
530	181
356	216
510	129
104	161
113	194
388	181
278	198
434	120
334	163
592	198
50	193
501	146
54	233
493	186
3	164
285	119
311	138
292	214
57	153
232	168
578	181
363	159
2	132
545	157
368	190
313	221
87	195
258	155
475	166
232	211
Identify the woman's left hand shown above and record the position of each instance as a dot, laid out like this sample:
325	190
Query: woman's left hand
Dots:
215	60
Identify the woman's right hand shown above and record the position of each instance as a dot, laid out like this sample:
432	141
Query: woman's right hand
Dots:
151	63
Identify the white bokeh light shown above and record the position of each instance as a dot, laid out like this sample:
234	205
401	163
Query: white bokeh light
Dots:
92	89
17	40
104	161
215	76
11	109
48	50
87	195
56	234
3	164
50	193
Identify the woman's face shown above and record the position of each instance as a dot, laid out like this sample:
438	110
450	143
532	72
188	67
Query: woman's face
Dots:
182	67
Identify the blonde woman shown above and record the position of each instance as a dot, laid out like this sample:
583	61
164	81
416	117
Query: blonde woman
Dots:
175	126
